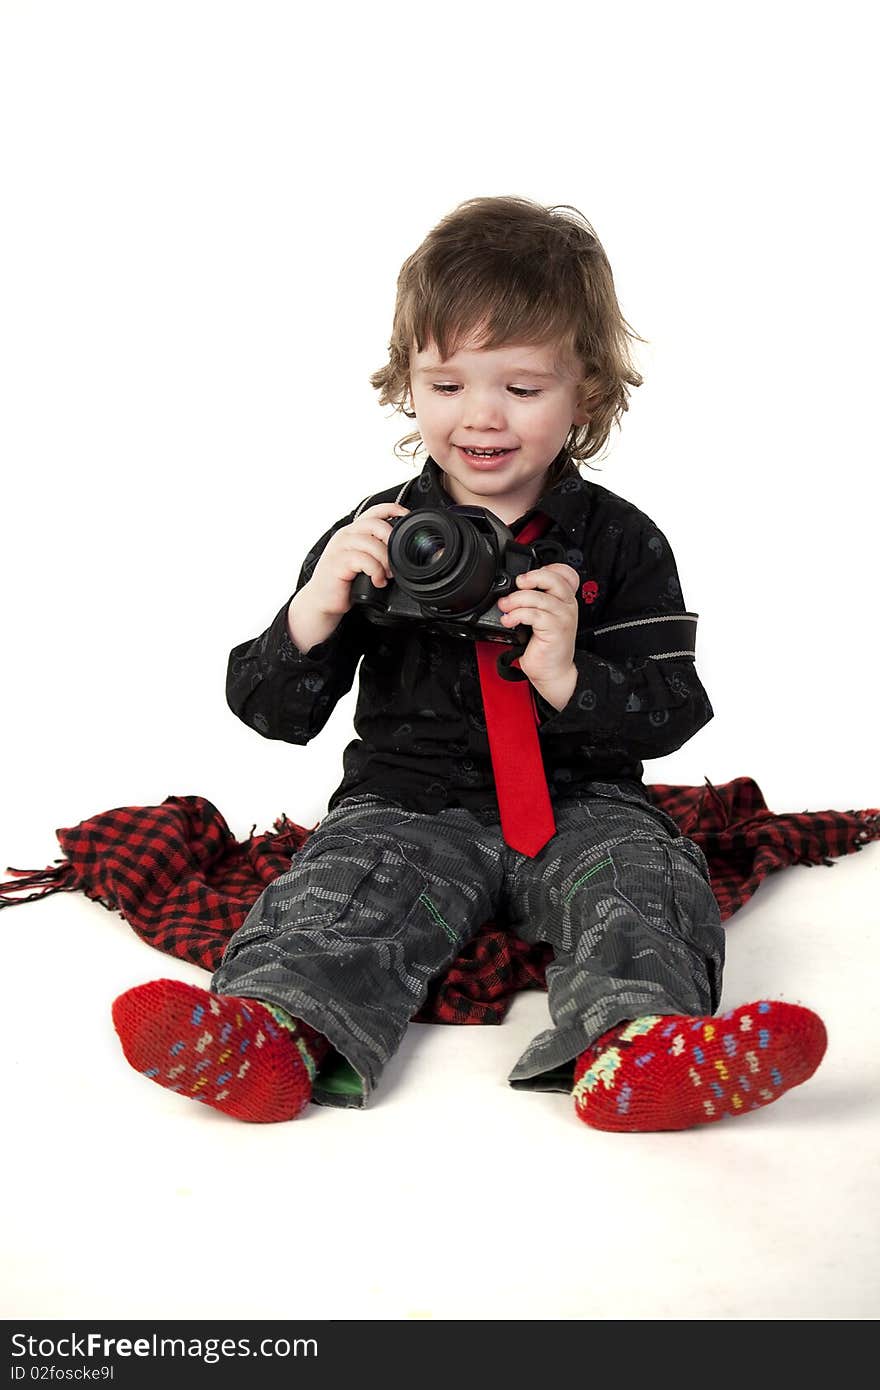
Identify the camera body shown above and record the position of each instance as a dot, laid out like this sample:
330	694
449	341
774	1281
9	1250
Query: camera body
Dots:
450	567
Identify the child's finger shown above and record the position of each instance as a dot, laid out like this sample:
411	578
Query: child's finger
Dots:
385	509
538	619
562	606
546	616
367	555
557	579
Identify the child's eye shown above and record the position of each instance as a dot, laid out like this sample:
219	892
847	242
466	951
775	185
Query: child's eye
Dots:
446	388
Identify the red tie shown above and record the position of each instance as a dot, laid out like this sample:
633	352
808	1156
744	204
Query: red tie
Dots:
527	821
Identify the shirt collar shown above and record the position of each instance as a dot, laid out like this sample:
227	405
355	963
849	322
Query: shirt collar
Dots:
566	502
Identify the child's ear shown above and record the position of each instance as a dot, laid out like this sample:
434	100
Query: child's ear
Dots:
582	409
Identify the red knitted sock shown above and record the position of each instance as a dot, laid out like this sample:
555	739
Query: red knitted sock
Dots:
671	1071
226	1052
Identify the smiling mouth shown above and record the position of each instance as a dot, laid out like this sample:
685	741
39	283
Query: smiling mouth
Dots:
483	453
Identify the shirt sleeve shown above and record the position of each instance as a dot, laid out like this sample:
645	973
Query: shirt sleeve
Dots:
282	692
648	706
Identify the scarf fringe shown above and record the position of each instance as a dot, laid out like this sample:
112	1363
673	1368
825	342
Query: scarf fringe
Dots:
871	821
54	879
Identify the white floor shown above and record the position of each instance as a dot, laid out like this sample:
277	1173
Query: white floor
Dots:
453	1196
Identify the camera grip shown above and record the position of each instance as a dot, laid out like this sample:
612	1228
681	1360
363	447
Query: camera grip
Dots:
363	590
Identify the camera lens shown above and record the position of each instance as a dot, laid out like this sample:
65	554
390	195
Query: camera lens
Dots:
425	546
443	561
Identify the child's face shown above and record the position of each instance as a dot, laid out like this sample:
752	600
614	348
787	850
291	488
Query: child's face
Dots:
514	398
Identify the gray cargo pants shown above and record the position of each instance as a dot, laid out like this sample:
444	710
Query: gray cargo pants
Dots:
380	901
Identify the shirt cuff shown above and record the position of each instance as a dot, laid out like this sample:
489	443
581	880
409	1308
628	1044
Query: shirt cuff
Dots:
592	705
281	651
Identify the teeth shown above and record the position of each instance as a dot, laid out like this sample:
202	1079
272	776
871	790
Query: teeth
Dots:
485	453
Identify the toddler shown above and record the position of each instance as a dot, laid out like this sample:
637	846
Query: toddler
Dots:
489	780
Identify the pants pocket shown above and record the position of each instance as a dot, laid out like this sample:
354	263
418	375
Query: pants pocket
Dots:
350	888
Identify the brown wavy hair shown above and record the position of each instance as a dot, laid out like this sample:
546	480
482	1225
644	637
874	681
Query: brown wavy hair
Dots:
519	273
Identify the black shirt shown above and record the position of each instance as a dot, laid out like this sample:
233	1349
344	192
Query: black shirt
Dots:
419	715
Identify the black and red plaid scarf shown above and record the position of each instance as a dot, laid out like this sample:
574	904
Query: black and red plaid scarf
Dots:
179	877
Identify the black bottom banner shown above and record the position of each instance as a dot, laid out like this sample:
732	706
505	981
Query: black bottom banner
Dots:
125	1355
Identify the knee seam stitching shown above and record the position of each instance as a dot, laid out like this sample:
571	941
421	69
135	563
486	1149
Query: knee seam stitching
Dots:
583	878
435	913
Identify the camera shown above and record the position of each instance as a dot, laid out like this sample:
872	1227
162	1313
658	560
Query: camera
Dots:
450	567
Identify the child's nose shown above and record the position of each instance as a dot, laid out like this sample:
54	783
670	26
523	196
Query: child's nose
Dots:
483	411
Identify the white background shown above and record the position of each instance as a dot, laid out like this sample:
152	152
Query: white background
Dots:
204	210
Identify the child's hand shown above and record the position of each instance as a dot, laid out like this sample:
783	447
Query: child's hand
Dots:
359	548
545	600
